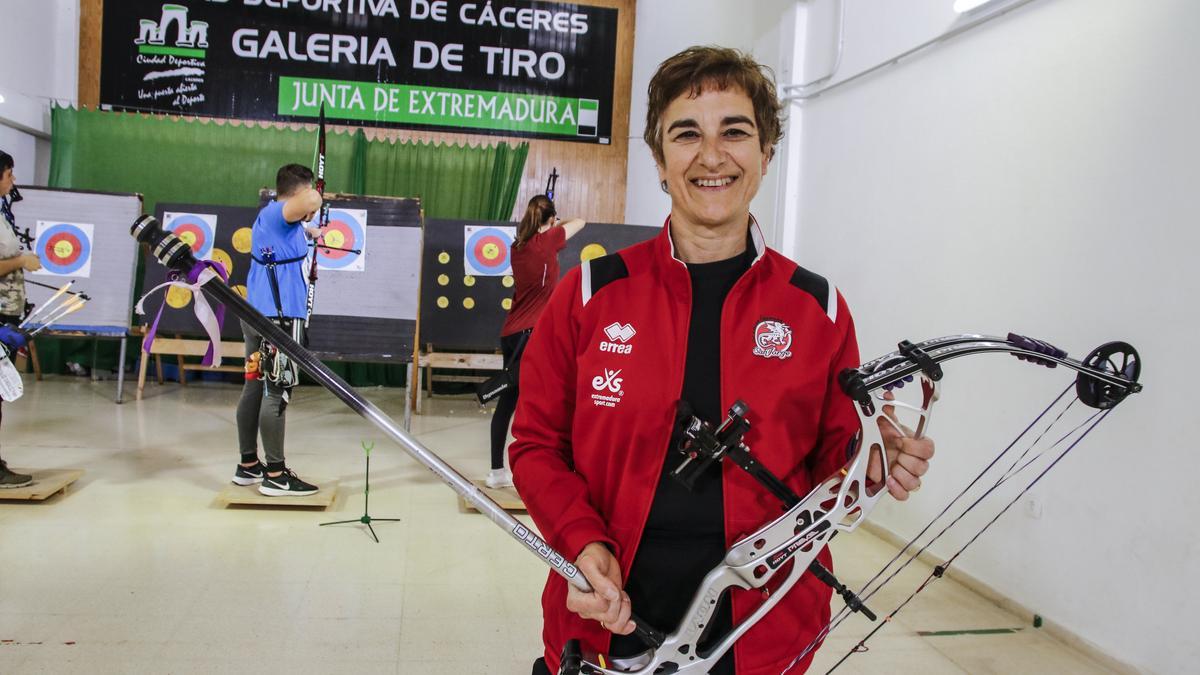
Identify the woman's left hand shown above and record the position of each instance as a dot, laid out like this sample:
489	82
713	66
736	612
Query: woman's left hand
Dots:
907	457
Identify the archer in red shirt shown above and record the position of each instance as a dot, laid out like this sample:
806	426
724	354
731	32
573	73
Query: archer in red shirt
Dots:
540	236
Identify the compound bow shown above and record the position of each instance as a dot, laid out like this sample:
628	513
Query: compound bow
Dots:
842	502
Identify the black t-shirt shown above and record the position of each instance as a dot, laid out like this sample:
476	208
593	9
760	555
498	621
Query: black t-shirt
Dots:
684	536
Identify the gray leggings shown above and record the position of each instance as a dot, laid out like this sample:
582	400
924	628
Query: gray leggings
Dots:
253	417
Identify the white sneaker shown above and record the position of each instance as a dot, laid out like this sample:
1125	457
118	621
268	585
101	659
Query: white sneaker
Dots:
499	478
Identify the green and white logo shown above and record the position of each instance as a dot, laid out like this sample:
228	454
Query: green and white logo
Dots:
191	37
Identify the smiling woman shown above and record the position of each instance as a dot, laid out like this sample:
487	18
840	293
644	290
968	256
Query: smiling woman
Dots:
712	124
706	315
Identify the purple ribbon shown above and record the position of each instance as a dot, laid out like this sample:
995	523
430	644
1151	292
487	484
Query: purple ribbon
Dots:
193	279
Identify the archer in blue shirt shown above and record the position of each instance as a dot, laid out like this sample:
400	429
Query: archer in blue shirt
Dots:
280	228
275	287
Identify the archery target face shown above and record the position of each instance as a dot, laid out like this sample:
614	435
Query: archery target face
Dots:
487	250
178	297
347	229
219	255
242	238
65	249
195	229
591	252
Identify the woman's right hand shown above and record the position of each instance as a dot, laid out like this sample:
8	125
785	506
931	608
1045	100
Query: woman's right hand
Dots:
607	603
30	262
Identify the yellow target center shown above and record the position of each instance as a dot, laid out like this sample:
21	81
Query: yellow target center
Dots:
189	238
178	297
491	251
591	252
335	238
242	239
63	249
222	257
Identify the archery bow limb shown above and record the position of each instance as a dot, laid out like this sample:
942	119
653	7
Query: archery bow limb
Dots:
1105	378
322	220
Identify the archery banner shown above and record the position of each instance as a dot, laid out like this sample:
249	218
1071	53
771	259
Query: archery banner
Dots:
512	67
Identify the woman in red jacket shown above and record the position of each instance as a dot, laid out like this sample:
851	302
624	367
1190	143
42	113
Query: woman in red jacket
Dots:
540	236
703	313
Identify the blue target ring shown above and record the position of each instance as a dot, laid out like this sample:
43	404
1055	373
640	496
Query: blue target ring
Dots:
352	236
63	249
197	230
489	250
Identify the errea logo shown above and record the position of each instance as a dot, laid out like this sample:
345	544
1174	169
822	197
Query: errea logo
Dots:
618	332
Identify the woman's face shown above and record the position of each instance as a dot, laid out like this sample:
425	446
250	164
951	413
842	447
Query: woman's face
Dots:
713	161
6	182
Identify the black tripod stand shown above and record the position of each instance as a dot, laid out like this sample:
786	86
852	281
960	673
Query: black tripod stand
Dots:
366	517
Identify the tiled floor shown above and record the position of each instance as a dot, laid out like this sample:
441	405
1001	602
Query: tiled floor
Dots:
136	570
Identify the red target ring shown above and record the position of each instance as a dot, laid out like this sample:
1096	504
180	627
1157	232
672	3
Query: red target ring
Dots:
491	251
197	235
64	248
339	234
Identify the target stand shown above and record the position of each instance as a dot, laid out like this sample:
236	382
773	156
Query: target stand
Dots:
366	518
45	485
179	348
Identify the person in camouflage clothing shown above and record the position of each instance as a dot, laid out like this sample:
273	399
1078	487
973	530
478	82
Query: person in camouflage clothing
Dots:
14	262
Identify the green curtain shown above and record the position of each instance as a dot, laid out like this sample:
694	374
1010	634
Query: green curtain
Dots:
205	162
485	182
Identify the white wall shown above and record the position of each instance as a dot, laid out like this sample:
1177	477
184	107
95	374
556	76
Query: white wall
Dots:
666	27
1037	174
39	63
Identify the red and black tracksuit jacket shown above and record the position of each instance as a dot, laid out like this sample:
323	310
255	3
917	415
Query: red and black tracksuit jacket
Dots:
600	380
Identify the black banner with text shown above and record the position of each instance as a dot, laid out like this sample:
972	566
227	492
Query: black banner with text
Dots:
512	67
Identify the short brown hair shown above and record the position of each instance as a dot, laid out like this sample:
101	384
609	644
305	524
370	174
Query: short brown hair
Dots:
693	70
292	177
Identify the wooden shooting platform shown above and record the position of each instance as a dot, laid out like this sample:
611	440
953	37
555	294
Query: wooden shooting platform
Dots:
46	484
179	348
507	498
249	496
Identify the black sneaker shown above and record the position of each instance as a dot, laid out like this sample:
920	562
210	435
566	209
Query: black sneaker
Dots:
286	484
249	475
12	479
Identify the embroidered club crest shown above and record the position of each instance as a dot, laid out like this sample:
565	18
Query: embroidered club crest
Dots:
772	339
